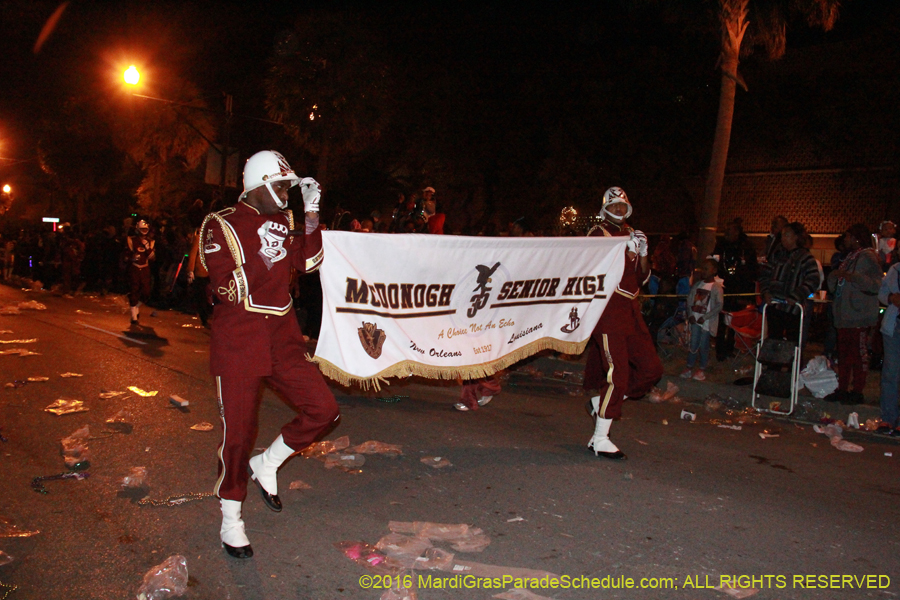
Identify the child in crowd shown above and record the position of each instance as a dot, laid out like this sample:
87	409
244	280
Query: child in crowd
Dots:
704	304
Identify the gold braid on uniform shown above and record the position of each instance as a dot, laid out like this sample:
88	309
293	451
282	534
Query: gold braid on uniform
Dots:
624	227
231	292
226	232
290	216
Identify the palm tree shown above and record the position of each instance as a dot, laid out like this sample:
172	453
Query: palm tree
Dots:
759	23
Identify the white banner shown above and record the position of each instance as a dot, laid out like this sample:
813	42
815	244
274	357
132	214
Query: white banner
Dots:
441	306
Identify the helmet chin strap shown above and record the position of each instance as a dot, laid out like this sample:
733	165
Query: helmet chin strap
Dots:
278	202
614	218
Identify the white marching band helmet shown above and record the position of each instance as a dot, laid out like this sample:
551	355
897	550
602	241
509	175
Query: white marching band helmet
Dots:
615	195
264	168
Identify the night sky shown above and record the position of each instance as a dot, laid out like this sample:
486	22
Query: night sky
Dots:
506	110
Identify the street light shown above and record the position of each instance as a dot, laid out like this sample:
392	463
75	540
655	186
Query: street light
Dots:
7	189
131	75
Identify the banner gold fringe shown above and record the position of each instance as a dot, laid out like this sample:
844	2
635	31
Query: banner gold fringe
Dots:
408	368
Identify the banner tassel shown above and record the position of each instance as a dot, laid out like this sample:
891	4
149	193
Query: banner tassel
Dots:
411	368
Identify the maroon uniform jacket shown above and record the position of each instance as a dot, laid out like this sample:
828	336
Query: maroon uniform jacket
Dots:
622	319
249	257
140	255
633	277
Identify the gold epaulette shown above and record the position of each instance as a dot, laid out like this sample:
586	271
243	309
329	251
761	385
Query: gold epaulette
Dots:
230	239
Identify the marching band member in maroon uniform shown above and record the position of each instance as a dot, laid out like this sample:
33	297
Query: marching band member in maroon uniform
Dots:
249	252
622	360
141	250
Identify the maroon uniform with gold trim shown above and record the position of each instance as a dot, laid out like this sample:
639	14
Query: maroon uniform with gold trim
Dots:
141	250
622	359
255	335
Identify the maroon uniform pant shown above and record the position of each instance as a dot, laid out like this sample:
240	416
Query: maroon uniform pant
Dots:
853	358
472	391
622	359
301	384
140	285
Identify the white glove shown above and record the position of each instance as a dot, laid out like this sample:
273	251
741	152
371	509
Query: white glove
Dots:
637	243
311	191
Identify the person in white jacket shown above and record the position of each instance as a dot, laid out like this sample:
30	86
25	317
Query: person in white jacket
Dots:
889	294
704	305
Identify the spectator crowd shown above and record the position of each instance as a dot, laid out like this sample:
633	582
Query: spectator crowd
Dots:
692	295
849	291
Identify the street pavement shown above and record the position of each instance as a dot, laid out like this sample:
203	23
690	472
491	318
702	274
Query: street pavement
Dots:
692	503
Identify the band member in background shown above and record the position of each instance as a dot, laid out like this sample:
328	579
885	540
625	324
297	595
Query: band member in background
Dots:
436	220
141	249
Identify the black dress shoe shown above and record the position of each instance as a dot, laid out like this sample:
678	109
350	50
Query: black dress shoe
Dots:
617	455
271	500
242	552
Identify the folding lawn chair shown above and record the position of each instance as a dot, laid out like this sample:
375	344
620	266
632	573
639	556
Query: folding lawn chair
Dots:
773	356
747	326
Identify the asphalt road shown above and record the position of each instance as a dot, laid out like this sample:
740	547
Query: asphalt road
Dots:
693	500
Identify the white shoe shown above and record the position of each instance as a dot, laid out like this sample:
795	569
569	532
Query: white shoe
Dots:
686	374
264	471
461	406
484	400
234	538
600	443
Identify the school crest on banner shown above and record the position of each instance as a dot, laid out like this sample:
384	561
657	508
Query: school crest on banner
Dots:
371	338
